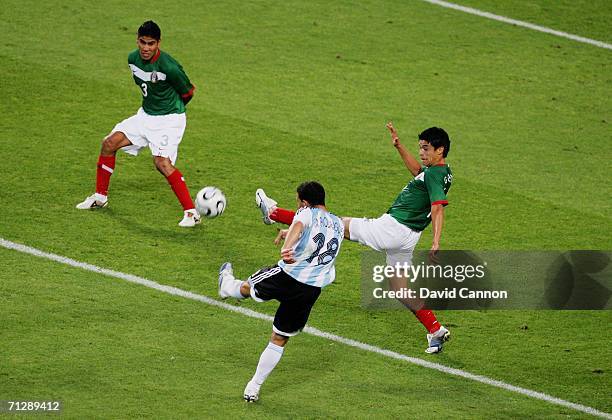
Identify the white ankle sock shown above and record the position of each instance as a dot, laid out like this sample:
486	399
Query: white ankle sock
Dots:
100	197
267	362
232	288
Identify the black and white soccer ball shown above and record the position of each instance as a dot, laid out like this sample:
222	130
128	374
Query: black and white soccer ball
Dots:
210	202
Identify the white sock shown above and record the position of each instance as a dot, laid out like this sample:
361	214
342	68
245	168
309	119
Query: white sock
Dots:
267	362
100	197
232	288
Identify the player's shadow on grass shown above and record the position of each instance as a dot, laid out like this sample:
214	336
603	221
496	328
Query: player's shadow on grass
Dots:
309	363
168	229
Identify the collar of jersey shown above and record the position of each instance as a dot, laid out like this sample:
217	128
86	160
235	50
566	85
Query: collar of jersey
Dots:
156	56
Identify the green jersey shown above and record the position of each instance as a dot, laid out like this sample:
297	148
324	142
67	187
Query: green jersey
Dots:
412	207
163	83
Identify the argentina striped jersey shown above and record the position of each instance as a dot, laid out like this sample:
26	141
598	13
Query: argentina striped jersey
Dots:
316	250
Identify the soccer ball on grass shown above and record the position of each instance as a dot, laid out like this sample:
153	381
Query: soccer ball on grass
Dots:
210	202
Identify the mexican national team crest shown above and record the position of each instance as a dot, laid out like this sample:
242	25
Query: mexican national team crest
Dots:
154	77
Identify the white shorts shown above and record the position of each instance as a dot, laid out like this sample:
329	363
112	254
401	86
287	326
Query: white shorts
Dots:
162	133
386	234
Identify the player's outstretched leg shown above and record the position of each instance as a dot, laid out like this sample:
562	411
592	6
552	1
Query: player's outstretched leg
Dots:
270	212
229	286
266	205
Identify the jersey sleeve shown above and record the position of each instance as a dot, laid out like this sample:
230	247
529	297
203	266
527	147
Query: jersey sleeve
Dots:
131	59
434	181
179	81
303	215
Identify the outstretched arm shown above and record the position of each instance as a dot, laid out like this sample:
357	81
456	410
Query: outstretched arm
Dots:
411	163
437	220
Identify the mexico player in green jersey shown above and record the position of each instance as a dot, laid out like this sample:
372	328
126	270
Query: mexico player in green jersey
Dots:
159	124
397	232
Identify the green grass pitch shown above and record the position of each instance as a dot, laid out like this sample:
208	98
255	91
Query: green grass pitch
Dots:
290	91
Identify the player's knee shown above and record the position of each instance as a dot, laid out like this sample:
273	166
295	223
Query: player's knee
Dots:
112	143
108	145
163	165
279	340
245	289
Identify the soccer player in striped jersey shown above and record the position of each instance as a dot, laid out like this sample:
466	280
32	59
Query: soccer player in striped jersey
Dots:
159	124
306	266
397	232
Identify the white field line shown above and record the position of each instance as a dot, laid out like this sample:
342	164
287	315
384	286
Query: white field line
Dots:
309	330
527	25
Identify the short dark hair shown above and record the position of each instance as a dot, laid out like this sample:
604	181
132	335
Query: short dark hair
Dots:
313	192
437	137
150	29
